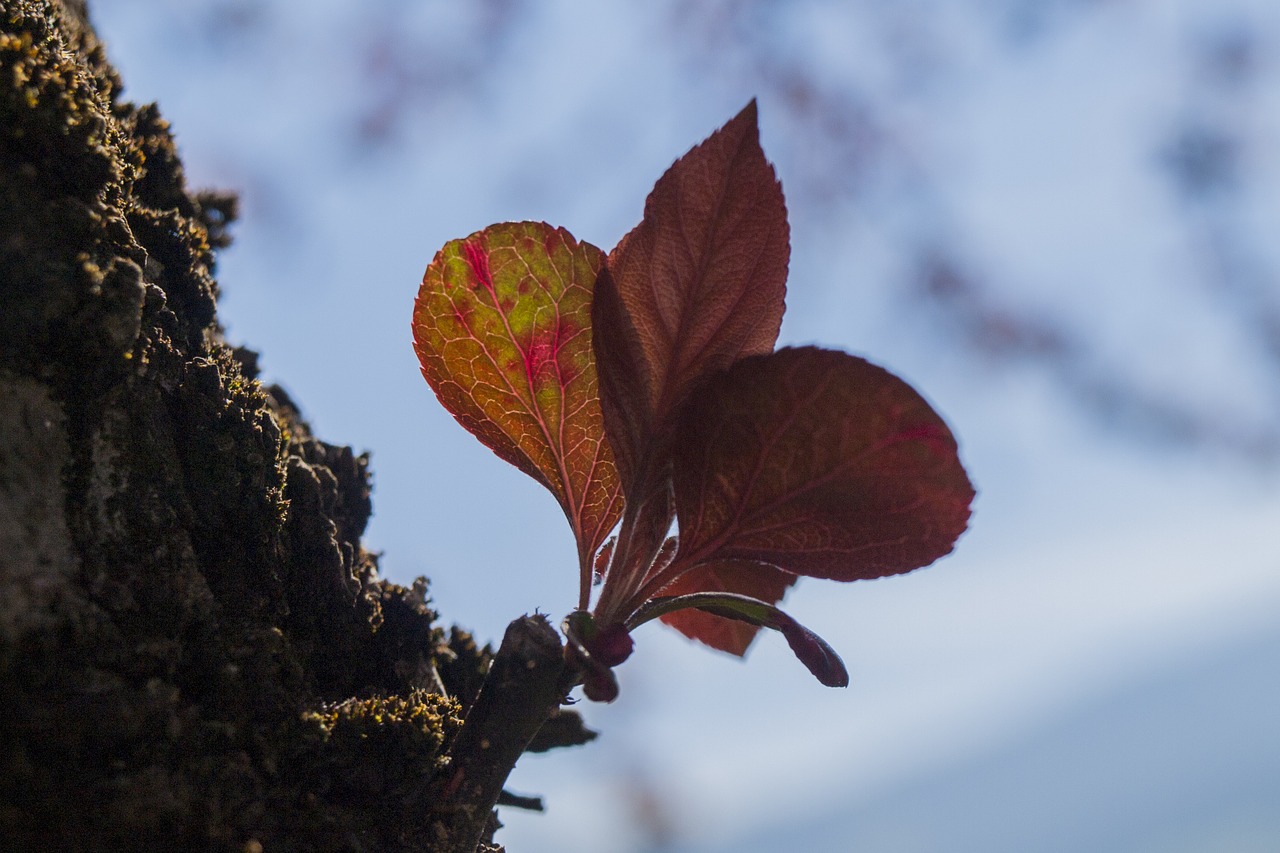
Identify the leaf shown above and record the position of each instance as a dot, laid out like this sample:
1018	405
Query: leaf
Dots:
757	580
502	328
820	463
813	651
699	283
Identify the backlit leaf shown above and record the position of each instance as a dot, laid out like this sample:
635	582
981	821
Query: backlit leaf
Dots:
502	328
756	580
820	463
699	283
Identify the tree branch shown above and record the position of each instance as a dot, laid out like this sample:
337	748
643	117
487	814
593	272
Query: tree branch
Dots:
525	686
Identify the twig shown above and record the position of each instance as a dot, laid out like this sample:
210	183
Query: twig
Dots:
525	685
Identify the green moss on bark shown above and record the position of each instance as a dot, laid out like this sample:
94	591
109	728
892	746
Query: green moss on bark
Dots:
195	650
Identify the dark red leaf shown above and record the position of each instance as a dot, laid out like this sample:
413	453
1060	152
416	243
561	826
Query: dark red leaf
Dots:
813	651
757	580
623	379
699	283
502	328
602	560
820	463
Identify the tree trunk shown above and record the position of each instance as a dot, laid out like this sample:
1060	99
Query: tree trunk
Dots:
195	650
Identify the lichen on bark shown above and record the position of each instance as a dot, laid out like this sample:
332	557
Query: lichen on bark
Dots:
196	652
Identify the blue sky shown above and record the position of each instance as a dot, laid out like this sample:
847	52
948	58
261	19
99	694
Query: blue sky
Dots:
1094	668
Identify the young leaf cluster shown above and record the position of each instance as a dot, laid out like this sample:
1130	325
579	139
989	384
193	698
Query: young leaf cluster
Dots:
643	389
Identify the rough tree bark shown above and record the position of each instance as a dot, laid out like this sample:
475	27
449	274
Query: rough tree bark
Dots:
195	650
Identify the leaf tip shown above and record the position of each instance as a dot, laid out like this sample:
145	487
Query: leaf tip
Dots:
816	654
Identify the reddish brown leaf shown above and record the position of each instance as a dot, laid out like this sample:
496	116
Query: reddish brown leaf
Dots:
813	651
699	283
502	328
624	394
820	463
757	580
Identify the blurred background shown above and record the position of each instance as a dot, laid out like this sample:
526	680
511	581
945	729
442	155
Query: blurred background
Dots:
1059	219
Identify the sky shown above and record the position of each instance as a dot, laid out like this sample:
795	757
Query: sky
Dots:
1054	219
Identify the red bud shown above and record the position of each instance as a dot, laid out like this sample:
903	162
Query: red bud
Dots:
611	646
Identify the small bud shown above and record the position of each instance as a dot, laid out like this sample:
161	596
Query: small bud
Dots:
600	685
611	646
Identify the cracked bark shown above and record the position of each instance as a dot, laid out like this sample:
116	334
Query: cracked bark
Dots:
196	652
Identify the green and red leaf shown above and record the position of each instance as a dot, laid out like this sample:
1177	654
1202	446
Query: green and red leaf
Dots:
756	580
642	388
502	328
820	463
698	284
